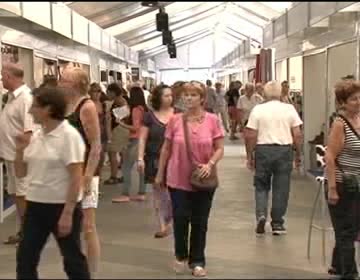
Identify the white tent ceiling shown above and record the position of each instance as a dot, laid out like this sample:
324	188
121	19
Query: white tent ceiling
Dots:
135	25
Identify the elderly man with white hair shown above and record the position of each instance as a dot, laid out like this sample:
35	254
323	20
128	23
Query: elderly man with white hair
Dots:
14	120
247	102
272	131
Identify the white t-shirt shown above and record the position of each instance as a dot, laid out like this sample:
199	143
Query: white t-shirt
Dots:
247	104
146	95
274	120
47	158
14	120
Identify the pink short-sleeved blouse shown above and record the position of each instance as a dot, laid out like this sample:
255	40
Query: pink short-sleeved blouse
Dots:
202	138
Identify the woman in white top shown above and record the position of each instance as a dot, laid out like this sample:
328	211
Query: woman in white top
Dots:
53	160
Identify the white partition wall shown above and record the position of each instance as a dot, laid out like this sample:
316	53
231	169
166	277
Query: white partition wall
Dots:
314	99
296	73
281	70
341	62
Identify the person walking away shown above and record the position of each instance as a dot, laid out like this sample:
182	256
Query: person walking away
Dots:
53	160
119	136
259	89
150	143
211	98
147	94
342	159
191	206
133	124
272	129
82	115
232	97
178	93
221	108
285	93
15	119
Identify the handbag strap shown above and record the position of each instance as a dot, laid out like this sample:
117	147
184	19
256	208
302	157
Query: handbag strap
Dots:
353	130
187	140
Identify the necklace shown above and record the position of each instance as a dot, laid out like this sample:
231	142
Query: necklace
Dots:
199	119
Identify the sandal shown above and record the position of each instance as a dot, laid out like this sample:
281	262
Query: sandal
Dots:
114	180
332	271
121	199
139	197
162	234
199	271
13	240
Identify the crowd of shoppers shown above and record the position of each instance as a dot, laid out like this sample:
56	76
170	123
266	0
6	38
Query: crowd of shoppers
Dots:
55	139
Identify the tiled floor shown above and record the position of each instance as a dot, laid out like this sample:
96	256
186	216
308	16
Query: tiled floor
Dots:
130	251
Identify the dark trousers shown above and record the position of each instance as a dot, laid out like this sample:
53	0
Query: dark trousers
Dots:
40	220
191	208
345	218
273	167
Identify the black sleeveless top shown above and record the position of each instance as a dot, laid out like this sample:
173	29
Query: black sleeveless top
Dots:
75	121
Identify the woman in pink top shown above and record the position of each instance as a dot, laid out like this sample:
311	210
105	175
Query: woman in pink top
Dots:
190	207
135	122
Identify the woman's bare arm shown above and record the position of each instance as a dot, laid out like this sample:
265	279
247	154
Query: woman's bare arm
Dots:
335	144
144	132
90	121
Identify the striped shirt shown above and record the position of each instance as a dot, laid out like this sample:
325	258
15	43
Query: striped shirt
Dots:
349	157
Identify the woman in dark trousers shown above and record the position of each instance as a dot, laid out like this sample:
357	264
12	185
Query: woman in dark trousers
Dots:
150	142
53	161
190	207
343	158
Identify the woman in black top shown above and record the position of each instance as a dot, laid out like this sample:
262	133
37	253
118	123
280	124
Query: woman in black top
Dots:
84	117
150	143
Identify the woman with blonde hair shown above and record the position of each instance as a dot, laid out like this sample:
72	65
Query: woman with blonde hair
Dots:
193	139
83	115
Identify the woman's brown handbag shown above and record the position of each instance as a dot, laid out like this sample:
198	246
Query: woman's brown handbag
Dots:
198	183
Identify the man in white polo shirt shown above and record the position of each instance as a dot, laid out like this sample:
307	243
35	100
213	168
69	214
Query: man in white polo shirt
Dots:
272	130
14	120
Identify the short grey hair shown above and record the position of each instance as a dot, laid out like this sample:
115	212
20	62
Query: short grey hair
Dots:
249	87
272	90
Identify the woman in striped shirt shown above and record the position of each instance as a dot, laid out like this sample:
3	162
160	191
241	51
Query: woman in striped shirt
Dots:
343	157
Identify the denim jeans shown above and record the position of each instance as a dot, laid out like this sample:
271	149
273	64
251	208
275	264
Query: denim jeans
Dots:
345	218
191	208
273	167
130	155
40	220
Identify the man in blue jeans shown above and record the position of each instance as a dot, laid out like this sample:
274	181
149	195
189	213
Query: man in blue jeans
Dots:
272	131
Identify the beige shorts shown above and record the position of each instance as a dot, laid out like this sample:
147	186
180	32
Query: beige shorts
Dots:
92	200
15	186
119	139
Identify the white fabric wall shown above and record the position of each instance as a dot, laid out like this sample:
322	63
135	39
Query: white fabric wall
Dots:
296	73
281	70
314	99
342	62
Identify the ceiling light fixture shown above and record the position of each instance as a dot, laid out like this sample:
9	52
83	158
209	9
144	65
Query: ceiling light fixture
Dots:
150	4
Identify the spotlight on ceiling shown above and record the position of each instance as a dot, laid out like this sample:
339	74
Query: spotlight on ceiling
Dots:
150	4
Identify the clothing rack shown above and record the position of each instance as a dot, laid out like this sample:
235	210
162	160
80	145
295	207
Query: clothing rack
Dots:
320	202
